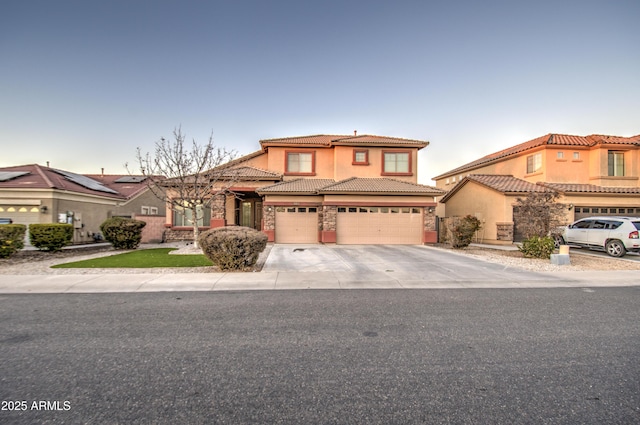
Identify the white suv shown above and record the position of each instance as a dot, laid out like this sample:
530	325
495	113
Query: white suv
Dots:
615	235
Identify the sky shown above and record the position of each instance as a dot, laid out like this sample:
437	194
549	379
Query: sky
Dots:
83	84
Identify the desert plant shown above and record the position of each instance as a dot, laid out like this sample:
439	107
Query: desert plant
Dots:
11	239
122	233
50	236
537	247
233	247
462	233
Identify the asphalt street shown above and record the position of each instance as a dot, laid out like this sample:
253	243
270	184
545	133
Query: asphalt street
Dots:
500	356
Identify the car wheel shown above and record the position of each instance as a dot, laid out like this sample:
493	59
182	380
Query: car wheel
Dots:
557	241
615	248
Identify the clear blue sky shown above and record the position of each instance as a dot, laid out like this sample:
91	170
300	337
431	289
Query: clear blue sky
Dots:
84	83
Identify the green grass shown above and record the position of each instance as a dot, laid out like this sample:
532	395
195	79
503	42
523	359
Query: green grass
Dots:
144	258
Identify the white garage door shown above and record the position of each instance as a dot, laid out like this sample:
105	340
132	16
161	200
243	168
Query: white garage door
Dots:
379	225
296	225
27	214
21	214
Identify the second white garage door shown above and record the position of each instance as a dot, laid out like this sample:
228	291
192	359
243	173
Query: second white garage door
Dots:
296	225
379	225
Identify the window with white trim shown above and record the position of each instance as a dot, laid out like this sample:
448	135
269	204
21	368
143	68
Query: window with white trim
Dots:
534	163
396	163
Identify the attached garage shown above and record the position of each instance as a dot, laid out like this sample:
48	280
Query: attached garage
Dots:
21	214
379	225
296	225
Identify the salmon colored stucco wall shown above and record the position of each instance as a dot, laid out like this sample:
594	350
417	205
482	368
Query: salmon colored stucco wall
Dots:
344	167
590	168
323	161
488	205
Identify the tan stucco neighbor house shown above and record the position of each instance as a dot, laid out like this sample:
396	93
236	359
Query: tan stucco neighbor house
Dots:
37	194
327	189
594	175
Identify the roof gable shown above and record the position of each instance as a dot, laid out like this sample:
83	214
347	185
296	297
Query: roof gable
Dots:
500	183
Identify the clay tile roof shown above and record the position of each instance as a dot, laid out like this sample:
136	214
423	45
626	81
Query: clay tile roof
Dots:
301	185
379	185
506	183
247	172
498	182
590	188
369	140
325	140
316	140
615	140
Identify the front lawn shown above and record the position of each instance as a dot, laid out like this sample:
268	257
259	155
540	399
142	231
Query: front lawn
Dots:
144	258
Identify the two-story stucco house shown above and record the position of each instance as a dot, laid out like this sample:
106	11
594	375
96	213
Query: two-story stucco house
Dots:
595	175
327	189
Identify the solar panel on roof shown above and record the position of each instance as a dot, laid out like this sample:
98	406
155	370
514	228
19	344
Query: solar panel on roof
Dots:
9	175
130	179
85	181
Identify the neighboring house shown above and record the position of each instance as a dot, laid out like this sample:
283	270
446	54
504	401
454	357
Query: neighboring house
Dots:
328	189
38	194
595	175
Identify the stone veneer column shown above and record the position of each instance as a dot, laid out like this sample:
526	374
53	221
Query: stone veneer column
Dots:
430	233
269	222
329	220
218	211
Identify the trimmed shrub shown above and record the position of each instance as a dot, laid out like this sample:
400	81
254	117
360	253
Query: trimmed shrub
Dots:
11	239
233	247
537	247
122	233
50	236
462	233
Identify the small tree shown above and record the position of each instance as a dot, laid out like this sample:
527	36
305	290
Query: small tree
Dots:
188	178
539	213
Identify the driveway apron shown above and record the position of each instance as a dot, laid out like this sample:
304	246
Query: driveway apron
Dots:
403	263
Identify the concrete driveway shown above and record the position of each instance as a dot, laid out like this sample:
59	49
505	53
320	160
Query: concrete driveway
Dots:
401	262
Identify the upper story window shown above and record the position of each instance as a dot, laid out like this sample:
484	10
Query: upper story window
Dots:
576	156
360	157
301	163
396	163
534	163
616	163
559	155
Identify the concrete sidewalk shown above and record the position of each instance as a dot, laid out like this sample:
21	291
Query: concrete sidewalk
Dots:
99	283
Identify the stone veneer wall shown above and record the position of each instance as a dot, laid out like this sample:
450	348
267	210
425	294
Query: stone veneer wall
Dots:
329	218
504	231
268	218
218	207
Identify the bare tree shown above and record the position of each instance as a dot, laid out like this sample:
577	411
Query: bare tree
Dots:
539	213
188	177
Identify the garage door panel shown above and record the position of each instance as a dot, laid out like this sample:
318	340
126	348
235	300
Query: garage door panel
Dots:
296	225
379	225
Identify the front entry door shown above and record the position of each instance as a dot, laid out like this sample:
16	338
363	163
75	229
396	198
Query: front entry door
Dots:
250	214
